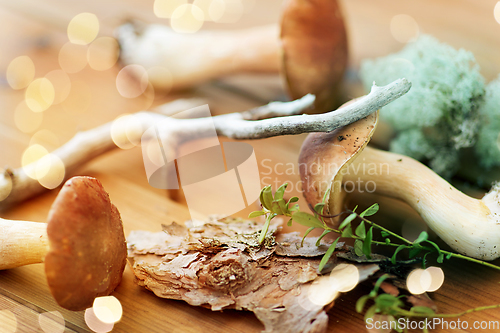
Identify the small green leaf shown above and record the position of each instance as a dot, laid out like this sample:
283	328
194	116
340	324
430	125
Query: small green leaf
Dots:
387	241
276	209
280	192
373	209
367	245
318	208
422	310
399	248
283	207
295	208
307	220
421	238
321	237
370	312
414	252
256	213
347	220
449	256
305	235
440	258
289	223
360	303
292	200
266	197
358	247
384	233
347	232
385	301
327	255
360	230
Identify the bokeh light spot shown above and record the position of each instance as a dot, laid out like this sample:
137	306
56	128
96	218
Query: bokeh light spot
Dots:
404	28
20	72
61	83
344	277
40	95
418	281
321	292
496	12
437	278
165	8
50	171
25	119
108	309
8	321
83	28
52	322
73	57
103	53
187	18
95	324
30	156
126	132
132	81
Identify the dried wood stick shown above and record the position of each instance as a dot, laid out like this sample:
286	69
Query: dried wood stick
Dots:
16	185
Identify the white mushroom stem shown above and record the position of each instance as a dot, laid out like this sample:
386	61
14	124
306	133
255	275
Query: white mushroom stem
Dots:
22	243
470	226
16	185
205	55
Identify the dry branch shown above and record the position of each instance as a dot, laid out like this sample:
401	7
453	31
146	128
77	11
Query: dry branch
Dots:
16	185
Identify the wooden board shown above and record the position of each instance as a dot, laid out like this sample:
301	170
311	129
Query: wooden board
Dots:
95	100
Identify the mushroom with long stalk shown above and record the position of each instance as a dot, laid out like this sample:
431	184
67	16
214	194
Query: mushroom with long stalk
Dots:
340	161
82	244
311	53
16	185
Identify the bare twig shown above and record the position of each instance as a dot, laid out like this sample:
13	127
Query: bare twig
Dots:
16	185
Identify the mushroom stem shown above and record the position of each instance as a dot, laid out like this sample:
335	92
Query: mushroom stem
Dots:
205	55
22	243
468	225
16	185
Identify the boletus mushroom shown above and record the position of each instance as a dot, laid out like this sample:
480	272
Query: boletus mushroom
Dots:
340	161
311	53
82	244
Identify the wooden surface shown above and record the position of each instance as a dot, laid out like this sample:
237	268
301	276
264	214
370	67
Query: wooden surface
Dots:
36	29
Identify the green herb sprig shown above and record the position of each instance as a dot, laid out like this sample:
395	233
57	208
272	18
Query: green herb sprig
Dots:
274	205
386	304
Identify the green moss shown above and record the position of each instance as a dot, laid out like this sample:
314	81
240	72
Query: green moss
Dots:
440	114
488	143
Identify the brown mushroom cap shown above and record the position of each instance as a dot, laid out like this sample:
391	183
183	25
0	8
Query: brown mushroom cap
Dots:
314	43
88	252
325	157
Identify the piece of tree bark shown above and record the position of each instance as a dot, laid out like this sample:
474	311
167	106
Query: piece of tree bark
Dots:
220	265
